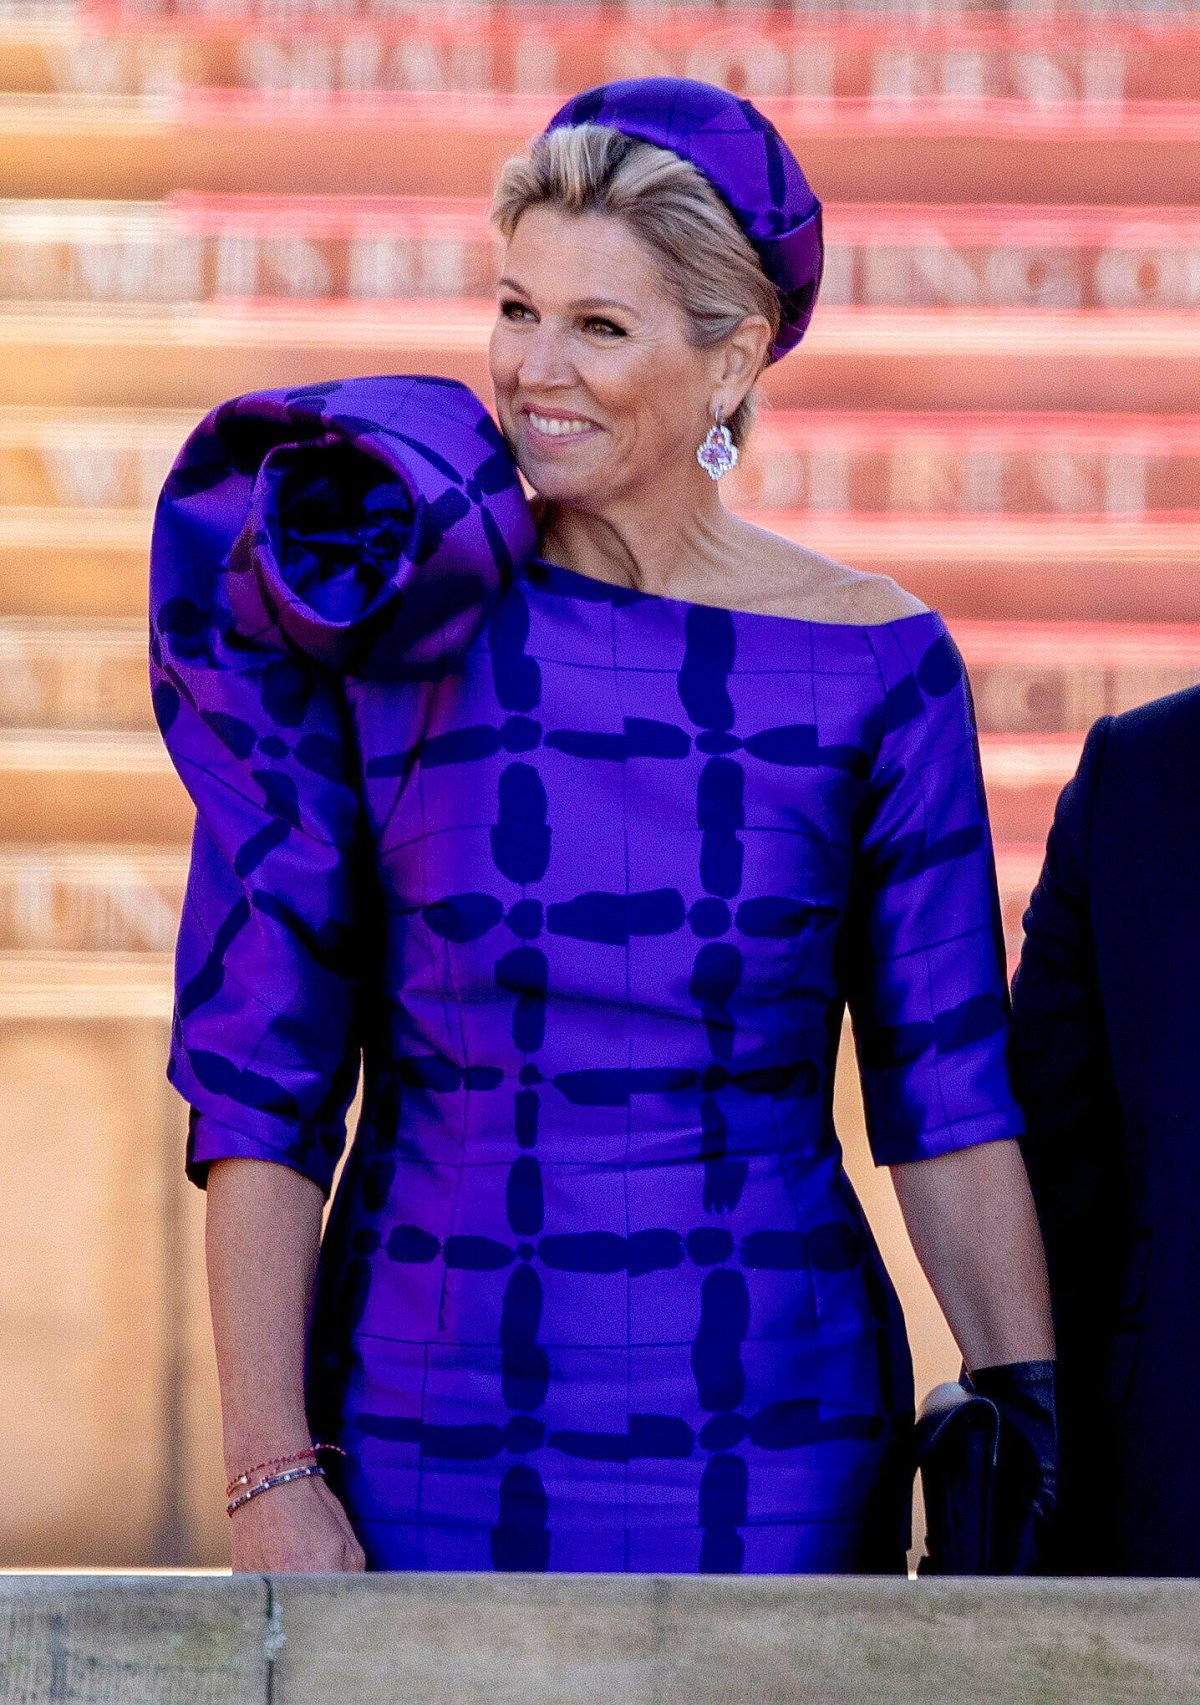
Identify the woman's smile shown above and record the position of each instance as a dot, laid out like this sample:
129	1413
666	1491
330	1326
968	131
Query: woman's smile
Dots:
561	428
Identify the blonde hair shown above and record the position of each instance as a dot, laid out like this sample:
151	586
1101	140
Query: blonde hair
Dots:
705	260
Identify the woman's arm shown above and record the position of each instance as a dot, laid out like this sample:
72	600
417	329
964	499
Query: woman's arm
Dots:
263	1230
971	1219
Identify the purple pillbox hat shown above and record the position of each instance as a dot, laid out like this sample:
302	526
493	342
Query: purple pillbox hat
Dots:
747	162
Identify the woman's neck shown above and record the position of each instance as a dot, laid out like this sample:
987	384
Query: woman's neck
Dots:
644	547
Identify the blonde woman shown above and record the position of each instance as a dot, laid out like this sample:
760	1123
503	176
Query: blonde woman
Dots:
583	836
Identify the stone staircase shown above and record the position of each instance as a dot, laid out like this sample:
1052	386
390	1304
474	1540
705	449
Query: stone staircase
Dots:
996	403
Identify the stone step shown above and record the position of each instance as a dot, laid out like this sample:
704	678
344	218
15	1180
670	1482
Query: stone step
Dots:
1018	569
65	674
87	988
107	462
1128	573
960	104
91	564
89	355
1018	866
1023	776
118	787
66	906
90	785
97	145
104	468
191	248
65	677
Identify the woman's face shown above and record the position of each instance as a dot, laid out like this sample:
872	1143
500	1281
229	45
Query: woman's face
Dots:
598	390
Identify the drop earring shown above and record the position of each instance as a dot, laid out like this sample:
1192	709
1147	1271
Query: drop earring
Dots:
718	452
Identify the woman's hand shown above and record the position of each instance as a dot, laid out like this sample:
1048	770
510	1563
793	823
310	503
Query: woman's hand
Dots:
1027	1494
300	1528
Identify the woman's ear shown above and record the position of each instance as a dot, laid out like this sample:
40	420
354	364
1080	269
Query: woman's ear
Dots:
742	357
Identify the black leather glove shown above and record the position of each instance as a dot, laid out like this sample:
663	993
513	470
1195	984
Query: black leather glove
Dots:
1023	1533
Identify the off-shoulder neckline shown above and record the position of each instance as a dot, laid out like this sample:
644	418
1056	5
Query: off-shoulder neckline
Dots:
633	594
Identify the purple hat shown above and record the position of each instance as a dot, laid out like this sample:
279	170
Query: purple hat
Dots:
747	162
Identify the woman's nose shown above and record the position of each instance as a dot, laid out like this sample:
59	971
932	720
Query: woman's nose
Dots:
544	359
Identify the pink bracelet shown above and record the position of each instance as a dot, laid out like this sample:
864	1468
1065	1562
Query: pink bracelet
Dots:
243	1479
305	1473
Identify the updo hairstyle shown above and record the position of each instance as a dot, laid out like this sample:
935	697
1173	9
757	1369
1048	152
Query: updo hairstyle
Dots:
706	262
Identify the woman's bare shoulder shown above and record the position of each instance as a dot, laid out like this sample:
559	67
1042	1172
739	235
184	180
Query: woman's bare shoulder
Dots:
867	599
804	583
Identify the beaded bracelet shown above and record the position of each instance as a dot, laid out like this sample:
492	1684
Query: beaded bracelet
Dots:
305	1473
243	1479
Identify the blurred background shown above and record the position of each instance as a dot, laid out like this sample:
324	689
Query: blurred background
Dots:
997	403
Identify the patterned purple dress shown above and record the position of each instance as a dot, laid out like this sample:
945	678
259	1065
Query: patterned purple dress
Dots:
587	876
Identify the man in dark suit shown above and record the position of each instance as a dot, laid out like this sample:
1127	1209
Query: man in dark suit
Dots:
1106	1061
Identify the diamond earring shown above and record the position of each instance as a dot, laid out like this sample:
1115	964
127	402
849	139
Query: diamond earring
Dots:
718	452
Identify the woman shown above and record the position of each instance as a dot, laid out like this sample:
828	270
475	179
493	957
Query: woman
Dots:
586	842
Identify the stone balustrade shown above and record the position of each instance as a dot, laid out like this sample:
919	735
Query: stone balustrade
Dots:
455	1639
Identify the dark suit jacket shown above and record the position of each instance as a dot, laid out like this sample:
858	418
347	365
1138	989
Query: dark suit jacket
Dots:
1106	1061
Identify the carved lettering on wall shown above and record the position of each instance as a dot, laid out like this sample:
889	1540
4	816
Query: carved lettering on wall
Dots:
1123	467
199	249
941	63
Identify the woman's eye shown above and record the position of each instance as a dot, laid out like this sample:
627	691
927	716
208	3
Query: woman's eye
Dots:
511	309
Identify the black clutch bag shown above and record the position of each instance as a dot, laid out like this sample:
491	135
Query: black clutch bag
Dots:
987	1463
957	1445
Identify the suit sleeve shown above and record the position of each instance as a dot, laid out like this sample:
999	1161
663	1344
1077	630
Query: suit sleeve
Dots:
1061	1065
925	967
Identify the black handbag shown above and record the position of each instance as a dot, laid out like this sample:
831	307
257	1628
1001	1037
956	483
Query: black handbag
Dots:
957	1447
987	1461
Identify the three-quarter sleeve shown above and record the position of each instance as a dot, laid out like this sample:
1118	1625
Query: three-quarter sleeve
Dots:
303	540
924	961
264	1043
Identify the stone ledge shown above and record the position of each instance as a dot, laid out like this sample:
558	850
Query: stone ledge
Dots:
457	1639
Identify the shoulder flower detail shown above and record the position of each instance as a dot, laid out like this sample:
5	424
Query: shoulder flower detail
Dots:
366	524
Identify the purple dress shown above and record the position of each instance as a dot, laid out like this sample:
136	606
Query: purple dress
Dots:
588	876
